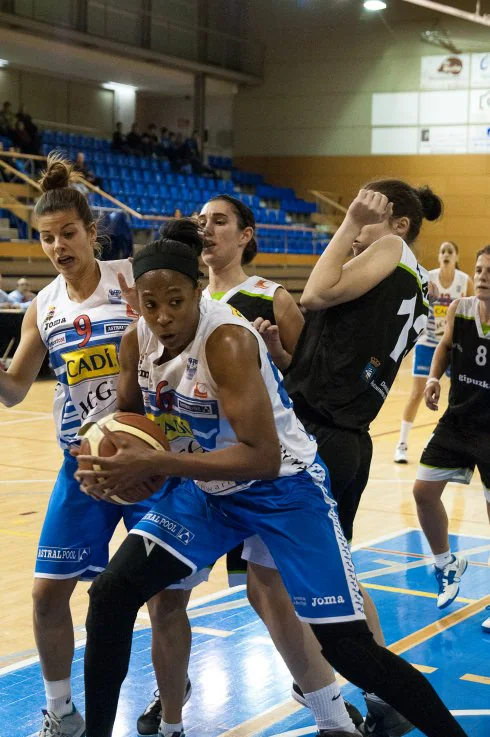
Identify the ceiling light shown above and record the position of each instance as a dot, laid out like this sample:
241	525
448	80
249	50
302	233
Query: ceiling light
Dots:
374	4
119	86
3	62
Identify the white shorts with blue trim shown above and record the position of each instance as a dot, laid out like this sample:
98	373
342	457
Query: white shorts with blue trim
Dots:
296	518
422	359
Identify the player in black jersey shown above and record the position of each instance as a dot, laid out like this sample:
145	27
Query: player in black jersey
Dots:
364	316
461	439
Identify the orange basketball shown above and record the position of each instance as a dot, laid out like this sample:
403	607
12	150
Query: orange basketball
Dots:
138	430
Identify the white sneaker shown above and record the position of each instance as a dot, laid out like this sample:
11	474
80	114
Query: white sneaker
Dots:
449	579
71	725
486	624
401	453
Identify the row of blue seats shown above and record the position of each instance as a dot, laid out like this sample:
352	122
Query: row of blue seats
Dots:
246	177
267	246
125	189
157	179
292	234
298	206
275	193
60	138
220	162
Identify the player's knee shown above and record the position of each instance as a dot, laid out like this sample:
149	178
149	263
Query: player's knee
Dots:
50	601
423	494
114	603
168	609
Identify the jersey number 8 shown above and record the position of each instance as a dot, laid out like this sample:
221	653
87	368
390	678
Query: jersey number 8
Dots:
481	355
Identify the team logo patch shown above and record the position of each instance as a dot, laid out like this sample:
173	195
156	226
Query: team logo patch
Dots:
90	363
173	528
114	296
130	312
201	391
370	369
56	341
115	328
63	555
50	313
191	368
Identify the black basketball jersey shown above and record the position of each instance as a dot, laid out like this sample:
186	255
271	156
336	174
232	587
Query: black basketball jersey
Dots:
347	356
469	395
253	298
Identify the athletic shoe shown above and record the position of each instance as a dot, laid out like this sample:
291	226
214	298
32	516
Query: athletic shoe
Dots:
449	579
172	734
401	453
355	714
384	721
337	733
486	624
149	722
71	725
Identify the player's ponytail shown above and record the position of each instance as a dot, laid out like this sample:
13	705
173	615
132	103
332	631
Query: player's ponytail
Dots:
59	193
414	204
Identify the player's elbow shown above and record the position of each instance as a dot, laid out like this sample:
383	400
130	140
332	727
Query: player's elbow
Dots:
313	302
270	463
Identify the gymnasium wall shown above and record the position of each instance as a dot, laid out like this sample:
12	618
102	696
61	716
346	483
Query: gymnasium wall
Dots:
309	125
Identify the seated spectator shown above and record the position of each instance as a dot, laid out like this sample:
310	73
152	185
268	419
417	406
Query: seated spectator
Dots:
3	295
7	120
22	296
119	143
116	226
146	144
81	166
191	155
153	135
133	139
22	138
31	128
172	153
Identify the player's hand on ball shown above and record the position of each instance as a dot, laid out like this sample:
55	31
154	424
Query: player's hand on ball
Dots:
432	393
130	466
369	208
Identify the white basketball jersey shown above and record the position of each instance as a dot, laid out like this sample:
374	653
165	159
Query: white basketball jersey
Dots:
182	397
83	342
436	321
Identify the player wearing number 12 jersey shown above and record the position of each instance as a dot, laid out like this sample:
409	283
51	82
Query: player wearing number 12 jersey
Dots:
80	319
461	439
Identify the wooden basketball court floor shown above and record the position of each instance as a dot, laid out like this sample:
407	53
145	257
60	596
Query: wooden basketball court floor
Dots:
240	685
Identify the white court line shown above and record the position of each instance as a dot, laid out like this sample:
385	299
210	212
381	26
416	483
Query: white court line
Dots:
25	419
26	412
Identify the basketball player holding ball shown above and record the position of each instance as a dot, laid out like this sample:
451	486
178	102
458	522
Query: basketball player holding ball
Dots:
79	318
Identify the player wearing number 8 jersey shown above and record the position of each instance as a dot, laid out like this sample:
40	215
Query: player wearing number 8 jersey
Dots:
80	319
461	439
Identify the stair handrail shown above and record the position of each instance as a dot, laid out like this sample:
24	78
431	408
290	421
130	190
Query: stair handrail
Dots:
324	197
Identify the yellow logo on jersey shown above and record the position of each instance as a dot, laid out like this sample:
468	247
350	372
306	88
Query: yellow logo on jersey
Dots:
89	363
236	312
173	427
440	310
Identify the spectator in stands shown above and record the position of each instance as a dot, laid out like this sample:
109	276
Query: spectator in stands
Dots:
7	120
31	128
146	144
153	134
191	155
22	138
133	139
119	143
22	296
116	226
82	167
3	295
172	152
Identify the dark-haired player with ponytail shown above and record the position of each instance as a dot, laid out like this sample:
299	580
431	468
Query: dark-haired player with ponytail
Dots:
257	473
364	315
461	439
79	318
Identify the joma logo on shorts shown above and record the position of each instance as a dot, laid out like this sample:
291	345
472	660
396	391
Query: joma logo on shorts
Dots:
327	600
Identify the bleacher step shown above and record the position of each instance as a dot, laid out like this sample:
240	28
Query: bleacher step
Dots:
4	223
8	233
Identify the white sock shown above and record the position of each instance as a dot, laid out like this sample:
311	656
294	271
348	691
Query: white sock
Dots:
328	707
167	729
58	697
443	559
405	431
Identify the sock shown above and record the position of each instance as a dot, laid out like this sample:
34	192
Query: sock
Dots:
58	697
328	707
168	729
405	431
443	559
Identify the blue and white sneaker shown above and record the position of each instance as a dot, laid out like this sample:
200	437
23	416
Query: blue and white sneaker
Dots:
485	625
449	579
71	725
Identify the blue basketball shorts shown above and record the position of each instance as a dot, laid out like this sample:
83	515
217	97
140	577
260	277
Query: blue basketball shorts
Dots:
422	359
77	529
296	518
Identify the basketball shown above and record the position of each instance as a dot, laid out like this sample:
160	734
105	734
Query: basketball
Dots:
140	431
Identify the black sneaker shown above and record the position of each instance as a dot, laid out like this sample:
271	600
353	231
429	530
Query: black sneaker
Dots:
352	711
384	721
149	722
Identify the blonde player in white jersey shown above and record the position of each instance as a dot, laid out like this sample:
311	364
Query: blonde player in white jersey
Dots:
451	284
79	318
